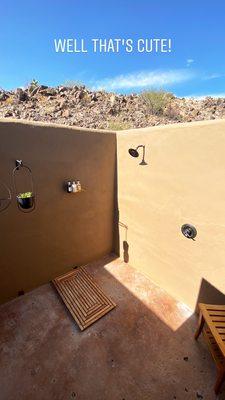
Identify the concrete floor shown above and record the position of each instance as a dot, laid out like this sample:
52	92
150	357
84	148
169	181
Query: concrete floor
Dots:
136	352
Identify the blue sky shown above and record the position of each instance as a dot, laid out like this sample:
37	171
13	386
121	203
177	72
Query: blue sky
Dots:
194	67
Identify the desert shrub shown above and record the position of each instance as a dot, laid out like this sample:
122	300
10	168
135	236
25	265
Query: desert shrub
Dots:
9	100
85	99
157	100
33	85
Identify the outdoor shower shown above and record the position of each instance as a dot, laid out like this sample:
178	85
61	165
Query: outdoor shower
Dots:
135	153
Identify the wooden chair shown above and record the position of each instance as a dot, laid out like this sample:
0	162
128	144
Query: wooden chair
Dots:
212	319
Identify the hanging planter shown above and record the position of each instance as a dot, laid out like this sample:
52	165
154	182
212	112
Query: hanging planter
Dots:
25	200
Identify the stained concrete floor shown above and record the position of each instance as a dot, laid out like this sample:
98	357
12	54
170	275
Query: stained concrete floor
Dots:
136	352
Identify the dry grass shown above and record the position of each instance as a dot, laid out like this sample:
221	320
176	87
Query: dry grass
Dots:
9	100
116	124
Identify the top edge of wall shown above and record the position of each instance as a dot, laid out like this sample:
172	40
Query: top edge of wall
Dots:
177	126
78	129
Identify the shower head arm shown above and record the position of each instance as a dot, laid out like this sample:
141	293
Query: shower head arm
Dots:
143	147
140	145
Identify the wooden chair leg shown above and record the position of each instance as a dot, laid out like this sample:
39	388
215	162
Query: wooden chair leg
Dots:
219	380
200	326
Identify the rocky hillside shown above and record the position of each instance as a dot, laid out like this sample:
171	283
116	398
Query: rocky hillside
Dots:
79	106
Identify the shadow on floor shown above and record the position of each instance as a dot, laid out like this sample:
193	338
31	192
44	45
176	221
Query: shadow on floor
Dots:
142	350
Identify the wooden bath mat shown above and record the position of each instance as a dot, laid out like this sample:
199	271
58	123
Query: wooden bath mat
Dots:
83	297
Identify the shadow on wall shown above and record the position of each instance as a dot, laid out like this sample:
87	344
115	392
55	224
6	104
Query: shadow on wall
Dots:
209	294
116	234
125	243
134	153
125	251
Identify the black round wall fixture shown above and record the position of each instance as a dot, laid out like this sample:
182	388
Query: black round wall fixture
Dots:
189	231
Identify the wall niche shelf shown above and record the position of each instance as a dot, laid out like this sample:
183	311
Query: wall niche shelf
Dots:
74	187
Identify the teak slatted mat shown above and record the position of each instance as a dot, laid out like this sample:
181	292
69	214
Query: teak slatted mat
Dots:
83	297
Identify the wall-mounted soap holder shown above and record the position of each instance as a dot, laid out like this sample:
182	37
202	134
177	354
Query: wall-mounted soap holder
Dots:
74	186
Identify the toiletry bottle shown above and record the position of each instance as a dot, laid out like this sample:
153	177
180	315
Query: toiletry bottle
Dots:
69	187
78	186
74	187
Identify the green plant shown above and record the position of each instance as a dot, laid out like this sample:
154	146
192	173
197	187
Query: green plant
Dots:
33	85
157	100
25	195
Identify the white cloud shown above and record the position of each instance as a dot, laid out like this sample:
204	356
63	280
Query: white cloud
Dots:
213	76
189	61
144	79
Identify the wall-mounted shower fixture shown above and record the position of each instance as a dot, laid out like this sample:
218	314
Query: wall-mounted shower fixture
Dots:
73	187
25	200
135	153
189	231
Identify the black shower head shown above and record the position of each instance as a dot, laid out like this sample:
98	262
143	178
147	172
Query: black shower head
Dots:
133	152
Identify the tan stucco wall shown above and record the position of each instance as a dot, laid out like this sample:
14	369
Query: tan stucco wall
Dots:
65	229
184	182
